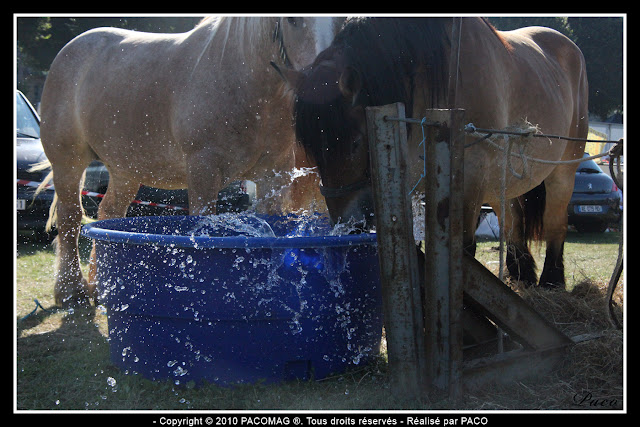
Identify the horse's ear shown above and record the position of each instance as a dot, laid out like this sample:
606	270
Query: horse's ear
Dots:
291	77
350	84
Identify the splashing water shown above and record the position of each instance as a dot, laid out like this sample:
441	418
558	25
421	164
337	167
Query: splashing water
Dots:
231	224
352	225
318	225
286	179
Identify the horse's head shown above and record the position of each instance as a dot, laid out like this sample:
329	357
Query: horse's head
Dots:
301	39
372	61
331	126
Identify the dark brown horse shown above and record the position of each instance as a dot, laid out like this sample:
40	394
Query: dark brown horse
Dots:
504	78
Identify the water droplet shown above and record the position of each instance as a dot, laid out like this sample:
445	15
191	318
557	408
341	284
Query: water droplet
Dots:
180	372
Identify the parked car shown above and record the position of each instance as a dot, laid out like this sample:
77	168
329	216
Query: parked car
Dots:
236	197
596	202
33	212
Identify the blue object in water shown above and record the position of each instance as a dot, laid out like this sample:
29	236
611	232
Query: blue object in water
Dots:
188	299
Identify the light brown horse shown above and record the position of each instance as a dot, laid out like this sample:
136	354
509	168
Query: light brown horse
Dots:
504	78
193	110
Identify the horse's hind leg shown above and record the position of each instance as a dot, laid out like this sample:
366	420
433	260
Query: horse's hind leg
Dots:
553	272
520	263
559	189
70	286
117	199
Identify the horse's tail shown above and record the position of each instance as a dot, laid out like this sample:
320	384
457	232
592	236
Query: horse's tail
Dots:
533	204
53	211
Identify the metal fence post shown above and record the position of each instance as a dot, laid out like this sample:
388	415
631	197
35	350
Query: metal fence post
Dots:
397	252
443	286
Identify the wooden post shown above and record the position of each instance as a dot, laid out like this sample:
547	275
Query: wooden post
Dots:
399	275
424	337
444	188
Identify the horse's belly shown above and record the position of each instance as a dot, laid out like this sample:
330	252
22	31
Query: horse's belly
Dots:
519	177
157	166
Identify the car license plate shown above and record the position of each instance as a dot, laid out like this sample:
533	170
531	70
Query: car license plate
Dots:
21	204
589	208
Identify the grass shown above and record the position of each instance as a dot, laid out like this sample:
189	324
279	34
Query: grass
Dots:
62	356
588	256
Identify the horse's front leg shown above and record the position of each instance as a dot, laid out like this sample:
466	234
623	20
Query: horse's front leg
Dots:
205	178
305	185
277	188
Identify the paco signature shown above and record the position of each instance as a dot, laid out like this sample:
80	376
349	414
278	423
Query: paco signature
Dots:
587	399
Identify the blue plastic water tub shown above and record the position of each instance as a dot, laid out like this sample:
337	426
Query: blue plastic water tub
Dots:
189	302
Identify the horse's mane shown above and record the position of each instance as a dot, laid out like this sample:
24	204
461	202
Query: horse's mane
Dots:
246	32
387	51
499	35
390	54
250	23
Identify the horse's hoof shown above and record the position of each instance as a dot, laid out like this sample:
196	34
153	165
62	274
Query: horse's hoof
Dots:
553	285
528	282
525	280
553	279
73	301
77	298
